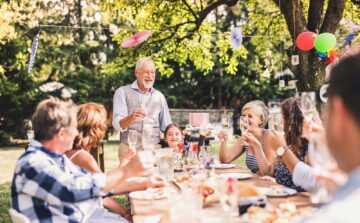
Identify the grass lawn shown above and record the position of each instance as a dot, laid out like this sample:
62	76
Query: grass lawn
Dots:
9	155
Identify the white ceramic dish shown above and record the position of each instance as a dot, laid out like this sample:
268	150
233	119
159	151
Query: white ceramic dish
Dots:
223	166
278	191
147	195
239	176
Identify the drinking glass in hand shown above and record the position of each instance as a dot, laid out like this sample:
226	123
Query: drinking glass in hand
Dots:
275	121
308	104
323	163
30	134
244	124
132	139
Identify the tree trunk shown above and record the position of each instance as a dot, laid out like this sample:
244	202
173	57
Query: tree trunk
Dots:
310	72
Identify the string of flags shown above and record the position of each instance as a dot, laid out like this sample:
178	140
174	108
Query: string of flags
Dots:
33	52
324	43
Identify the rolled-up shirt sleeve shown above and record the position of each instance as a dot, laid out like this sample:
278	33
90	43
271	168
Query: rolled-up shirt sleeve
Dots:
304	177
120	110
164	117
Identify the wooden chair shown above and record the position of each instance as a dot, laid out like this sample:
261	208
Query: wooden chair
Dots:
17	217
98	154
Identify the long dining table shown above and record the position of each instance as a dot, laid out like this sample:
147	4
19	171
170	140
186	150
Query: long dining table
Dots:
156	211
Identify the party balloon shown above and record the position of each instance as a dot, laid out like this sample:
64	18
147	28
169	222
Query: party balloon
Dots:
305	41
330	59
325	42
321	55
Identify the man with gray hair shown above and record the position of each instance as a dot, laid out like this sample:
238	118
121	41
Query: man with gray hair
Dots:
48	187
137	105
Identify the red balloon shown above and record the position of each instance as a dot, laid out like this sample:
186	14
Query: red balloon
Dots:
305	41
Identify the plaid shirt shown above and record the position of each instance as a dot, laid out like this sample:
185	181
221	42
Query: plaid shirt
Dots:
47	187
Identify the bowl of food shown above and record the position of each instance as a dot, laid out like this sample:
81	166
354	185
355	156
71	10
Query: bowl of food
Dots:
250	196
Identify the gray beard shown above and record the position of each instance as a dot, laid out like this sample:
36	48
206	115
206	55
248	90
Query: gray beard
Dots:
148	86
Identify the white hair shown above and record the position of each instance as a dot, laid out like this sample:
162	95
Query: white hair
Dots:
143	60
260	109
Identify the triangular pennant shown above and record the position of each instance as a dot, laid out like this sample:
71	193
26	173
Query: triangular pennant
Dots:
33	52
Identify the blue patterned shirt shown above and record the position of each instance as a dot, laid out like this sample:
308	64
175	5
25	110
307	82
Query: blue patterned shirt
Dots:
48	187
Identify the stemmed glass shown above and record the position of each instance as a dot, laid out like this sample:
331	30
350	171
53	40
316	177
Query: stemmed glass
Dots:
132	139
323	163
244	124
275	116
148	145
229	197
308	104
30	134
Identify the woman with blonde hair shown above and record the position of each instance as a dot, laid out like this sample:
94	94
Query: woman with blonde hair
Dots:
256	143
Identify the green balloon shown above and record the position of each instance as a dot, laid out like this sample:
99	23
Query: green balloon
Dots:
325	42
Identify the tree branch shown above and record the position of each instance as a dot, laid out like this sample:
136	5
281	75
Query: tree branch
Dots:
315	14
334	13
204	13
356	2
190	9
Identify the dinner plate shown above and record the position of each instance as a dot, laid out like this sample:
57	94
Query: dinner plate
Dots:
278	191
147	195
239	176
223	166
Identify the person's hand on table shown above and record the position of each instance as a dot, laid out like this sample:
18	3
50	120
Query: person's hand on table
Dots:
155	181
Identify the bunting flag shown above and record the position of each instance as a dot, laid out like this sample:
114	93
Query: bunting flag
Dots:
236	38
33	52
348	39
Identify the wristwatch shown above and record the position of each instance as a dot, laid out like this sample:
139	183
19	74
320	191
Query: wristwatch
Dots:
281	150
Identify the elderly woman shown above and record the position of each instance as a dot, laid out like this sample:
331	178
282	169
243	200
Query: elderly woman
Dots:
92	125
256	144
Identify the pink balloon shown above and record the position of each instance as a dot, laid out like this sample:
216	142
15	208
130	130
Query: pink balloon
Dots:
305	41
135	39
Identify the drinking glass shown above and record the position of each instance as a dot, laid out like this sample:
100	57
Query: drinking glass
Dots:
244	124
322	162
275	116
30	134
144	101
229	197
132	139
308	104
165	159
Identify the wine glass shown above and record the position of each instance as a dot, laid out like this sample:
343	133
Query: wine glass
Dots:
148	144
275	116
229	197
323	163
132	139
244	124
308	104
30	134
144	101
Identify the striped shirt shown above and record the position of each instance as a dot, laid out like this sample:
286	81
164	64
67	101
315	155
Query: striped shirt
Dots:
250	160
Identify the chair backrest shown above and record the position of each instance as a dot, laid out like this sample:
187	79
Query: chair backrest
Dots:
17	217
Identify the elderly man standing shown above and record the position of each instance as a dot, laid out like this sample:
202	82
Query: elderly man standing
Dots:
343	136
48	187
137	105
